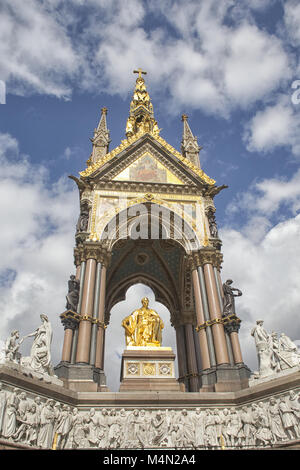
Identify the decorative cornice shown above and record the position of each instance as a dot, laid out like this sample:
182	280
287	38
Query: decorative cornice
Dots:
131	140
91	250
205	256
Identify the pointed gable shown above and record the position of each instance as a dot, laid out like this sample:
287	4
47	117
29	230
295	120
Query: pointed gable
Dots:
148	169
128	161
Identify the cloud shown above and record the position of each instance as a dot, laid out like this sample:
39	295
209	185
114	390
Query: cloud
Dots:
206	55
38	220
277	125
36	53
292	21
261	257
269	196
267	272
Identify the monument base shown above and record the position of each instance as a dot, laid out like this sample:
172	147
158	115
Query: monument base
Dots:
148	368
81	377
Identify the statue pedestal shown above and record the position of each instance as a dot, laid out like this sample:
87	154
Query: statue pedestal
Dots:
148	368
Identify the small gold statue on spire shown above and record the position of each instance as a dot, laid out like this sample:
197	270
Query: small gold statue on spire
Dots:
143	327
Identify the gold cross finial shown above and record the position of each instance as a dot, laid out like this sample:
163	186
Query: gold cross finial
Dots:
140	71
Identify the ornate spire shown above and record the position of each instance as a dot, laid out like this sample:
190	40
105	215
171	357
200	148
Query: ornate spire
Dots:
141	117
100	139
189	145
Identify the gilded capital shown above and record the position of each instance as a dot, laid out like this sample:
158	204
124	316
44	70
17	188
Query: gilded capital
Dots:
91	250
205	256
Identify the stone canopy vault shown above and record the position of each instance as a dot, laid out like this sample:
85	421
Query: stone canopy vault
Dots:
147	215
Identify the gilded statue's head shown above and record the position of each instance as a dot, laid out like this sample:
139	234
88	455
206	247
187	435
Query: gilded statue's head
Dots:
145	302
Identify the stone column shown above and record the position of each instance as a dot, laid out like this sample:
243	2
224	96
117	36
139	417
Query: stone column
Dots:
232	331
95	314
181	357
69	327
75	334
191	358
205	360
221	294
210	341
232	328
84	332
215	315
99	357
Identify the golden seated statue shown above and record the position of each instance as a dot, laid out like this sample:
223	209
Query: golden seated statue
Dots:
143	327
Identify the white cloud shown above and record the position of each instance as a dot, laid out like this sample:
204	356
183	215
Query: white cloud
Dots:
200	54
37	258
292	20
36	54
268	274
36	242
262	257
256	63
277	125
268	196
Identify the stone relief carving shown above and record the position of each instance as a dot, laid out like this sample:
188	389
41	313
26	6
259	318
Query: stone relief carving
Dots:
44	423
274	354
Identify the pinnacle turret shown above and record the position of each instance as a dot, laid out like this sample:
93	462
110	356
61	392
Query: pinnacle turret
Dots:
189	145
100	139
141	117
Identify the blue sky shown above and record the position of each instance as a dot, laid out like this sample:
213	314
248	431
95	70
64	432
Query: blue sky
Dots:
228	65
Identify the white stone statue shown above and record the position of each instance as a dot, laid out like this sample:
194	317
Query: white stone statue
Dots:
160	428
289	420
264	352
103	429
27	430
234	428
63	427
276	426
114	433
263	433
186	429
10	417
45	437
247	426
289	353
3	400
11	348
77	438
40	354
198	419
211	431
91	424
